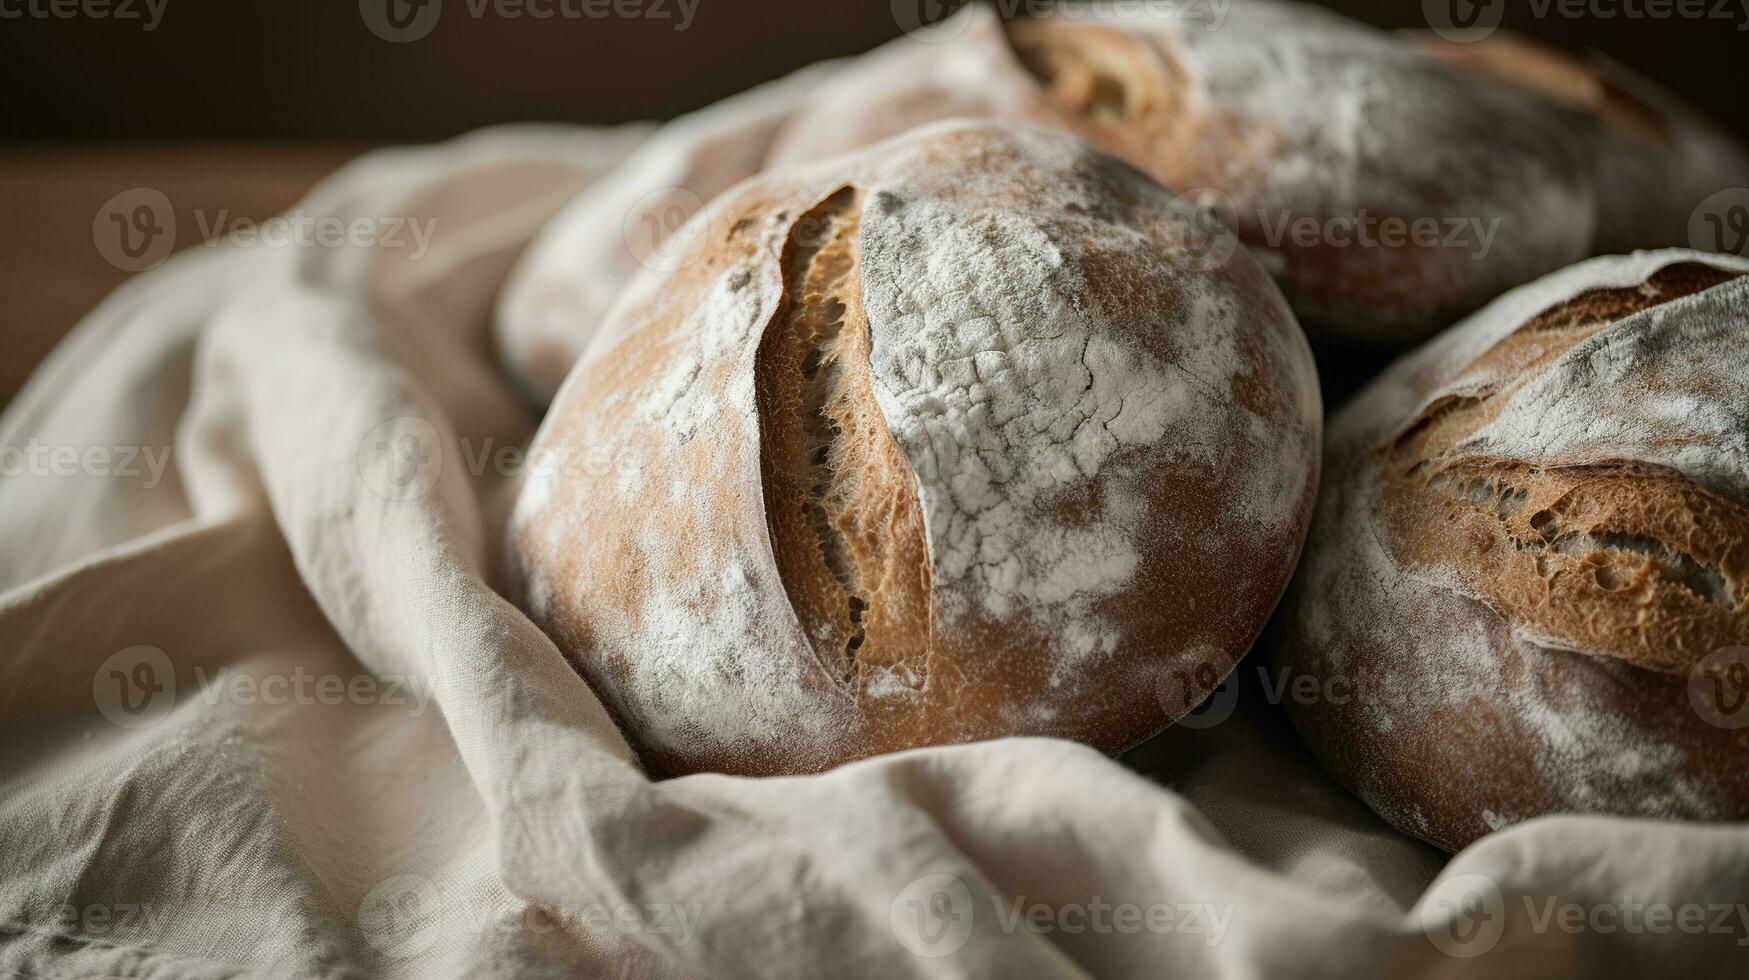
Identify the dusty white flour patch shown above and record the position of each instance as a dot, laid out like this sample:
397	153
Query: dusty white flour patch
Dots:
731	315
1599	760
1378	99
1669	385
1014	399
1007	398
700	661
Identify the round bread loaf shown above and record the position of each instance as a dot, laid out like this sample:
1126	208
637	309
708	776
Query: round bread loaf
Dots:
1528	578
1389	191
964	436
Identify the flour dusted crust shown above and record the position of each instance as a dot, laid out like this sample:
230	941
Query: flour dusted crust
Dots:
1534	535
1301	117
956	438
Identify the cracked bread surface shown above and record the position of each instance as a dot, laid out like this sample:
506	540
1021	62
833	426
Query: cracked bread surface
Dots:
846	522
947	440
1538	544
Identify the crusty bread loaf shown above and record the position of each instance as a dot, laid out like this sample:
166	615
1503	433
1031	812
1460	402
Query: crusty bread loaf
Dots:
959	437
1390	191
1532	552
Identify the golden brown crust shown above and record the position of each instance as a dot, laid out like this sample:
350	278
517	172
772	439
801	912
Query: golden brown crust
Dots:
1515	635
846	524
1613	558
1135	100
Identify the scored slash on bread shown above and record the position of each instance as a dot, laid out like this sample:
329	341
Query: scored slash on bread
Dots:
1574	554
1536	542
846	524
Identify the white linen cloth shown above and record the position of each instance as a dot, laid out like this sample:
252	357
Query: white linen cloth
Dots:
267	714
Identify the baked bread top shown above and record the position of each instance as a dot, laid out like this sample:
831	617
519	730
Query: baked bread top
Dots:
966	435
1535	538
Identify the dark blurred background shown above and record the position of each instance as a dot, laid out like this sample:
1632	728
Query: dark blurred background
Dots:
279	69
242	104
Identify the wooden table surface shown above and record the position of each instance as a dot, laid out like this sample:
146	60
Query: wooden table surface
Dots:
51	269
